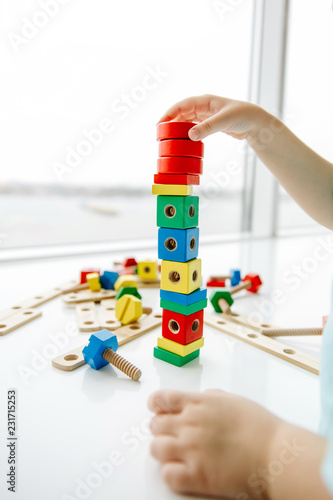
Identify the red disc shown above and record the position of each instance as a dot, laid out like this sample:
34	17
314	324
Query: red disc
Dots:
181	147
173	130
179	165
179	179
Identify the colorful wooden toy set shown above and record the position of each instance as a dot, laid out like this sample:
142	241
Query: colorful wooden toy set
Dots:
182	300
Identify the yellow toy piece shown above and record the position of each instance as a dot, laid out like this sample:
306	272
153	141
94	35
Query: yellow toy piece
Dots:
181	277
125	280
181	350
128	309
93	282
172	190
148	270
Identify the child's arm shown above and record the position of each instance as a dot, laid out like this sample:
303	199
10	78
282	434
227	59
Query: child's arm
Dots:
227	446
306	176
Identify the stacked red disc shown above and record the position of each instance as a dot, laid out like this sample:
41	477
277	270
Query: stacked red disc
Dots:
180	159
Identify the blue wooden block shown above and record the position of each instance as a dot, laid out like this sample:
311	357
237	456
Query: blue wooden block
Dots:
108	279
181	298
178	245
98	343
235	277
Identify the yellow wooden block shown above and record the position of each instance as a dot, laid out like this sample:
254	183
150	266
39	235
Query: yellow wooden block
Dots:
180	349
128	309
93	282
125	280
148	270
181	277
172	189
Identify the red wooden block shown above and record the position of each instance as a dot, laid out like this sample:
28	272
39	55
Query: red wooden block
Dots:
179	179
179	165
130	262
180	328
325	318
173	130
84	273
181	147
216	284
255	280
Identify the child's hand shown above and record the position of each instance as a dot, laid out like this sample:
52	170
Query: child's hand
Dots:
217	114
226	446
210	443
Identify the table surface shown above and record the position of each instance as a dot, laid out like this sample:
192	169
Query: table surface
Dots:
72	426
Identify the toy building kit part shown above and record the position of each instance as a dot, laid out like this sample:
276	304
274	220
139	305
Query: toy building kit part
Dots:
182	300
101	351
93	282
219	281
88	296
91	320
23	312
222	299
73	359
250	334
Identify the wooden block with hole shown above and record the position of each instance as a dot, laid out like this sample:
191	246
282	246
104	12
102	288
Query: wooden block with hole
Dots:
180	349
172	189
177	212
148	270
180	245
174	359
128	309
124	281
93	282
180	328
181	277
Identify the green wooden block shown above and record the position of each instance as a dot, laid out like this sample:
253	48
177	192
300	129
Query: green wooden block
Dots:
181	309
128	290
174	359
178	212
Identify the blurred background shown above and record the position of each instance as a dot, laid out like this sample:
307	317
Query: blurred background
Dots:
84	83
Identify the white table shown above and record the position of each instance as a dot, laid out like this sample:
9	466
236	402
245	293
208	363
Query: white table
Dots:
69	422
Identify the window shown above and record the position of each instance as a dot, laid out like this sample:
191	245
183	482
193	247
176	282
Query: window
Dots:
308	92
82	88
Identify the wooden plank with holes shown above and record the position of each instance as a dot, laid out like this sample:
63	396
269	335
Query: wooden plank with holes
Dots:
21	318
74	358
88	296
107	315
270	330
37	300
76	288
86	315
251	336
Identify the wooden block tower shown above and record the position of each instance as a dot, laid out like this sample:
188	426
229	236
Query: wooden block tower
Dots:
182	299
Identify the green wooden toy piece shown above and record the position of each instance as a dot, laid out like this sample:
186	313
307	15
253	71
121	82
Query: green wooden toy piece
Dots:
181	309
174	359
217	296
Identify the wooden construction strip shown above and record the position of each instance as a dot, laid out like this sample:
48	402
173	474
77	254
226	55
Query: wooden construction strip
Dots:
256	339
37	300
107	315
266	329
74	358
76	288
88	296
86	316
19	319
70	360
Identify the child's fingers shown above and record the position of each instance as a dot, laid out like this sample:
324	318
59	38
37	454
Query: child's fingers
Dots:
178	477
167	424
165	448
190	109
215	123
165	401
